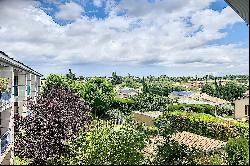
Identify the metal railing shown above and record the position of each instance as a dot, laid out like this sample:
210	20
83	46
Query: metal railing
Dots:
5	141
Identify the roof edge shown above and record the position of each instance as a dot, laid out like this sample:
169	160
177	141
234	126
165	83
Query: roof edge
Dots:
21	65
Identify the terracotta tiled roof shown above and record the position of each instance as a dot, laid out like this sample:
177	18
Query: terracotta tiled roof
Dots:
197	141
150	148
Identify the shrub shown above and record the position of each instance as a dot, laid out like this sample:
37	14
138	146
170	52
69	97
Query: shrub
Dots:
238	151
203	124
202	108
153	130
173	153
116	145
216	158
56	117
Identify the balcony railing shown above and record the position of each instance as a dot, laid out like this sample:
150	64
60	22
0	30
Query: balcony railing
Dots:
5	141
5	99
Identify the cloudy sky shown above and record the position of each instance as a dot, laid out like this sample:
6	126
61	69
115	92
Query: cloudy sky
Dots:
140	37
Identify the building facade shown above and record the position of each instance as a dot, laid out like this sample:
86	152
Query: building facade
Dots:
22	83
128	92
241	108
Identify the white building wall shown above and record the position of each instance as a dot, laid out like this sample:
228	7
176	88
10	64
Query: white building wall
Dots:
22	93
239	111
33	88
38	81
7	115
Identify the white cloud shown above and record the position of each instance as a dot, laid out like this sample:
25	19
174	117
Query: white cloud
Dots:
98	3
155	34
69	11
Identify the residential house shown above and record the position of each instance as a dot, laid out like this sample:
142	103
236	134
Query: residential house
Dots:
146	117
194	84
241	108
180	93
23	82
127	92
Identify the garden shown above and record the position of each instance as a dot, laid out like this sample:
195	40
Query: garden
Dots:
84	122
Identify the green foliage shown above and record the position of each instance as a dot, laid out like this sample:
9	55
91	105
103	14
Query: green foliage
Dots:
216	158
230	91
118	145
202	108
149	102
123	104
3	84
236	77
238	151
116	79
130	83
209	89
115	114
179	88
157	88
173	153
162	88
204	124
56	80
19	161
153	130
71	75
99	93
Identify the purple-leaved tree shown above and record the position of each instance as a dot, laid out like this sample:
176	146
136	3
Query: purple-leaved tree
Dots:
56	116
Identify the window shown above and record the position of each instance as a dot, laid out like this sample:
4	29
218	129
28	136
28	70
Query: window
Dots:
28	87
15	85
247	110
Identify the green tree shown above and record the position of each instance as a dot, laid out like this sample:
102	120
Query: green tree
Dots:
116	79
99	93
208	89
71	75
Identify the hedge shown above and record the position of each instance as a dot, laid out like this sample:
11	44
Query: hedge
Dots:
201	108
122	104
203	124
